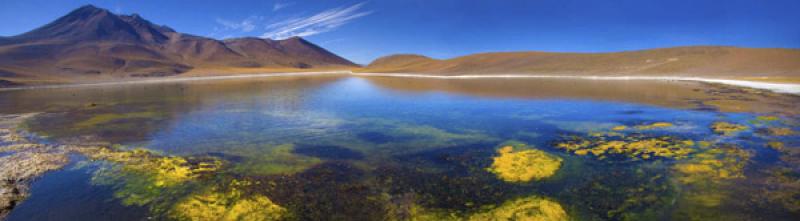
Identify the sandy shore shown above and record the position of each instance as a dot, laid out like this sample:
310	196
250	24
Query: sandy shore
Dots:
789	88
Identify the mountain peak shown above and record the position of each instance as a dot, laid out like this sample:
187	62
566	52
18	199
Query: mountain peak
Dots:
90	23
86	11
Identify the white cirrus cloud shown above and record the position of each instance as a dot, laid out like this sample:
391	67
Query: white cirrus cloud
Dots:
278	5
246	25
324	21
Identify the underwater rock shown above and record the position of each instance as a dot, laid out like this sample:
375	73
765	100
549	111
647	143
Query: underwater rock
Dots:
25	161
18	170
634	146
727	129
523	165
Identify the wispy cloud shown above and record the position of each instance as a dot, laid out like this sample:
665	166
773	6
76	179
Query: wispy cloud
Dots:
281	5
246	25
324	21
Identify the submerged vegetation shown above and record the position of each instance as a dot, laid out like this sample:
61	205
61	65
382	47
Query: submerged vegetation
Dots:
712	165
633	146
523	165
278	159
531	208
230	203
528	208
726	128
655	125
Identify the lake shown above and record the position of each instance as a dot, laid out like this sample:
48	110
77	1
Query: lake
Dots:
383	148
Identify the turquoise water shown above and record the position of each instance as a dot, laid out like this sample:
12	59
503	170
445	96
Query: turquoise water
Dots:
361	149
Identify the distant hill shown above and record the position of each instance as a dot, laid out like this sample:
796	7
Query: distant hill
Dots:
678	61
93	43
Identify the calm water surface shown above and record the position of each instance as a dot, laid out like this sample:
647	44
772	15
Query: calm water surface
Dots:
341	148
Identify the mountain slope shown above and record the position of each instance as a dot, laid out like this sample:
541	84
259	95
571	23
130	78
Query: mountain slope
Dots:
679	61
90	43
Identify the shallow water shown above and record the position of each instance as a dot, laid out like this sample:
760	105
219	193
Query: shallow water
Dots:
346	148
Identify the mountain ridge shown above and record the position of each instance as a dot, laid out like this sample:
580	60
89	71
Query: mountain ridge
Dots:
91	43
707	61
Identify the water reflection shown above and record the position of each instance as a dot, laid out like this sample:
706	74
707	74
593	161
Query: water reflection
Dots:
396	149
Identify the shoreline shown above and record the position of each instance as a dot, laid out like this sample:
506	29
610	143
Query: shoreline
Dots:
787	88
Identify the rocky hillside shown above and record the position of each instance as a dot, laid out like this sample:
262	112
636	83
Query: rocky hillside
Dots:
678	61
93	43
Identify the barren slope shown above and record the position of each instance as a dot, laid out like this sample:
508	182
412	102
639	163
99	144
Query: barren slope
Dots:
680	61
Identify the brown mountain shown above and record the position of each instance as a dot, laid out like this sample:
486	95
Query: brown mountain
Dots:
92	43
711	61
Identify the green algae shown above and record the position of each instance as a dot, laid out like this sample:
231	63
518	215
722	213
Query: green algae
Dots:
767	118
527	208
782	186
706	182
776	145
415	137
634	146
580	126
713	165
777	131
278	159
143	178
227	203
164	170
619	192
105	124
523	165
656	125
531	208
105	118
726	128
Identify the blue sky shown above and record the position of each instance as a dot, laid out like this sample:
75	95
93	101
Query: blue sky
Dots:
364	30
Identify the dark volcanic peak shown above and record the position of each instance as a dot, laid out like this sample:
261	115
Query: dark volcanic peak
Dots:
89	23
93	42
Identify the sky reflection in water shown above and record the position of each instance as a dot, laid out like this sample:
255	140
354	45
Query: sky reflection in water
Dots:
422	142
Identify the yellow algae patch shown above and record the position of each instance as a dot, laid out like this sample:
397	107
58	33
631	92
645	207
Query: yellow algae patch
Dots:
726	128
776	145
531	208
164	170
279	160
528	208
106	118
523	165
655	125
713	165
779	131
634	147
619	128
227	205
767	118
